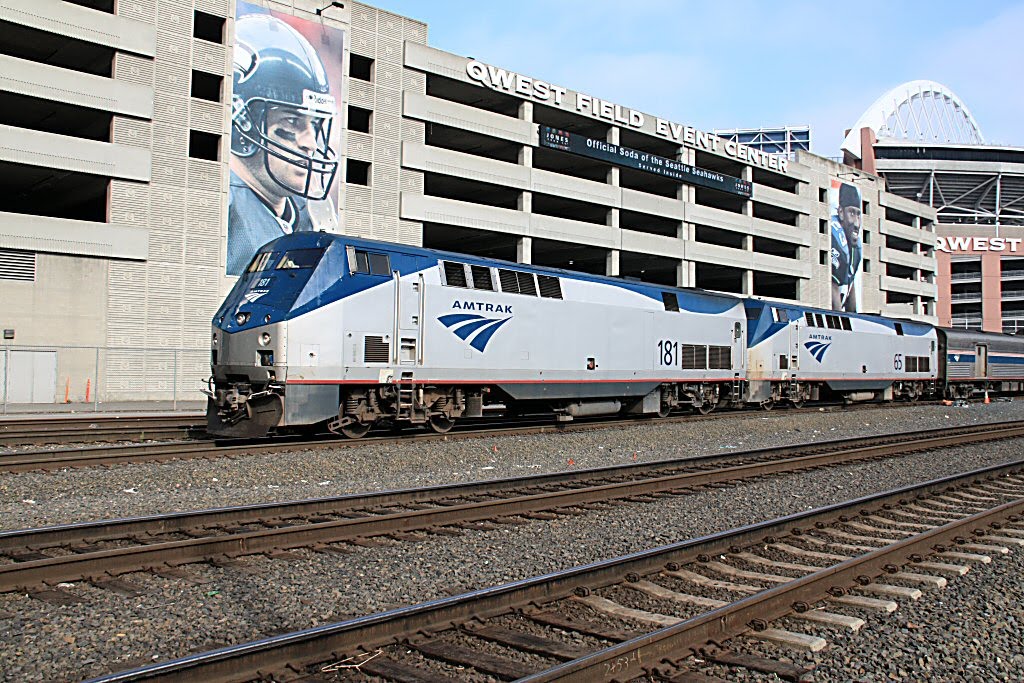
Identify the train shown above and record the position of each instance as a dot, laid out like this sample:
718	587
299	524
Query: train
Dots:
332	332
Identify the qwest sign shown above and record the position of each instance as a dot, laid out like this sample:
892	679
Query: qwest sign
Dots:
954	244
542	91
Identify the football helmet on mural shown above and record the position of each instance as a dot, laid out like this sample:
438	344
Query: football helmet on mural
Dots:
275	67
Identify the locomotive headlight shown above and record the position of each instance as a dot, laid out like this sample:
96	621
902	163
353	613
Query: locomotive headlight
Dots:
213	342
264	339
242	318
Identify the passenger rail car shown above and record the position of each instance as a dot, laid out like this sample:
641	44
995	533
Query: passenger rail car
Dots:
799	354
333	330
975	362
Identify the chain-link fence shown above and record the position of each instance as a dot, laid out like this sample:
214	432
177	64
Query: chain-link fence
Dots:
101	378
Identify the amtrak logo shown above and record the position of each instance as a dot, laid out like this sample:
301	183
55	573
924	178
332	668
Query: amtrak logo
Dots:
254	294
818	349
473	328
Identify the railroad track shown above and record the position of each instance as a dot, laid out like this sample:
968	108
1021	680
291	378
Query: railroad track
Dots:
97	551
52	430
91	456
648	613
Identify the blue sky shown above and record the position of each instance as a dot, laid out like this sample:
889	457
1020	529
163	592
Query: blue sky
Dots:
747	63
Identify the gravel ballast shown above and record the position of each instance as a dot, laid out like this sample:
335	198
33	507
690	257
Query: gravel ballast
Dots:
33	499
261	597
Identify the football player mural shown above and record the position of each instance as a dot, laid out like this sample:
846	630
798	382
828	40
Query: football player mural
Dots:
845	210
285	130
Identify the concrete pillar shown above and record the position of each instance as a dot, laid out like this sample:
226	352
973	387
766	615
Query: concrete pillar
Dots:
748	282
611	263
524	250
686	274
525	202
526	156
526	110
748	175
526	151
991	293
613	137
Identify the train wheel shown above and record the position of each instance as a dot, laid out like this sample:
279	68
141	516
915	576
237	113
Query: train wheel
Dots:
768	405
356	430
705	407
798	403
664	410
441	424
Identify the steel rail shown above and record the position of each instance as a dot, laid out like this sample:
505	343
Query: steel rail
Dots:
719	625
180	521
250	660
25	461
21	431
19	575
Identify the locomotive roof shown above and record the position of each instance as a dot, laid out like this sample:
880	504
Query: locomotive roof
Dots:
300	240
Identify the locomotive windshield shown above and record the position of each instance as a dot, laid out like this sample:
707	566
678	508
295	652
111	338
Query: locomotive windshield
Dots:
262	261
300	258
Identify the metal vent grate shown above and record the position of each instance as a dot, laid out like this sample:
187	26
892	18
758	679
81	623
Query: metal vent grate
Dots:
719	357
482	278
455	274
527	285
509	282
693	357
550	287
376	350
17	265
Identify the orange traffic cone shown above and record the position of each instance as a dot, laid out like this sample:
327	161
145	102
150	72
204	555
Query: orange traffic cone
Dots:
88	385
987	401
67	391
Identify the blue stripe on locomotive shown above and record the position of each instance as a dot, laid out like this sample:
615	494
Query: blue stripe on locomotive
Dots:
290	293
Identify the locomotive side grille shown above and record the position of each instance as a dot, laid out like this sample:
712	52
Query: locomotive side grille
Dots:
455	274
550	287
482	278
508	280
376	350
693	357
526	283
719	357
